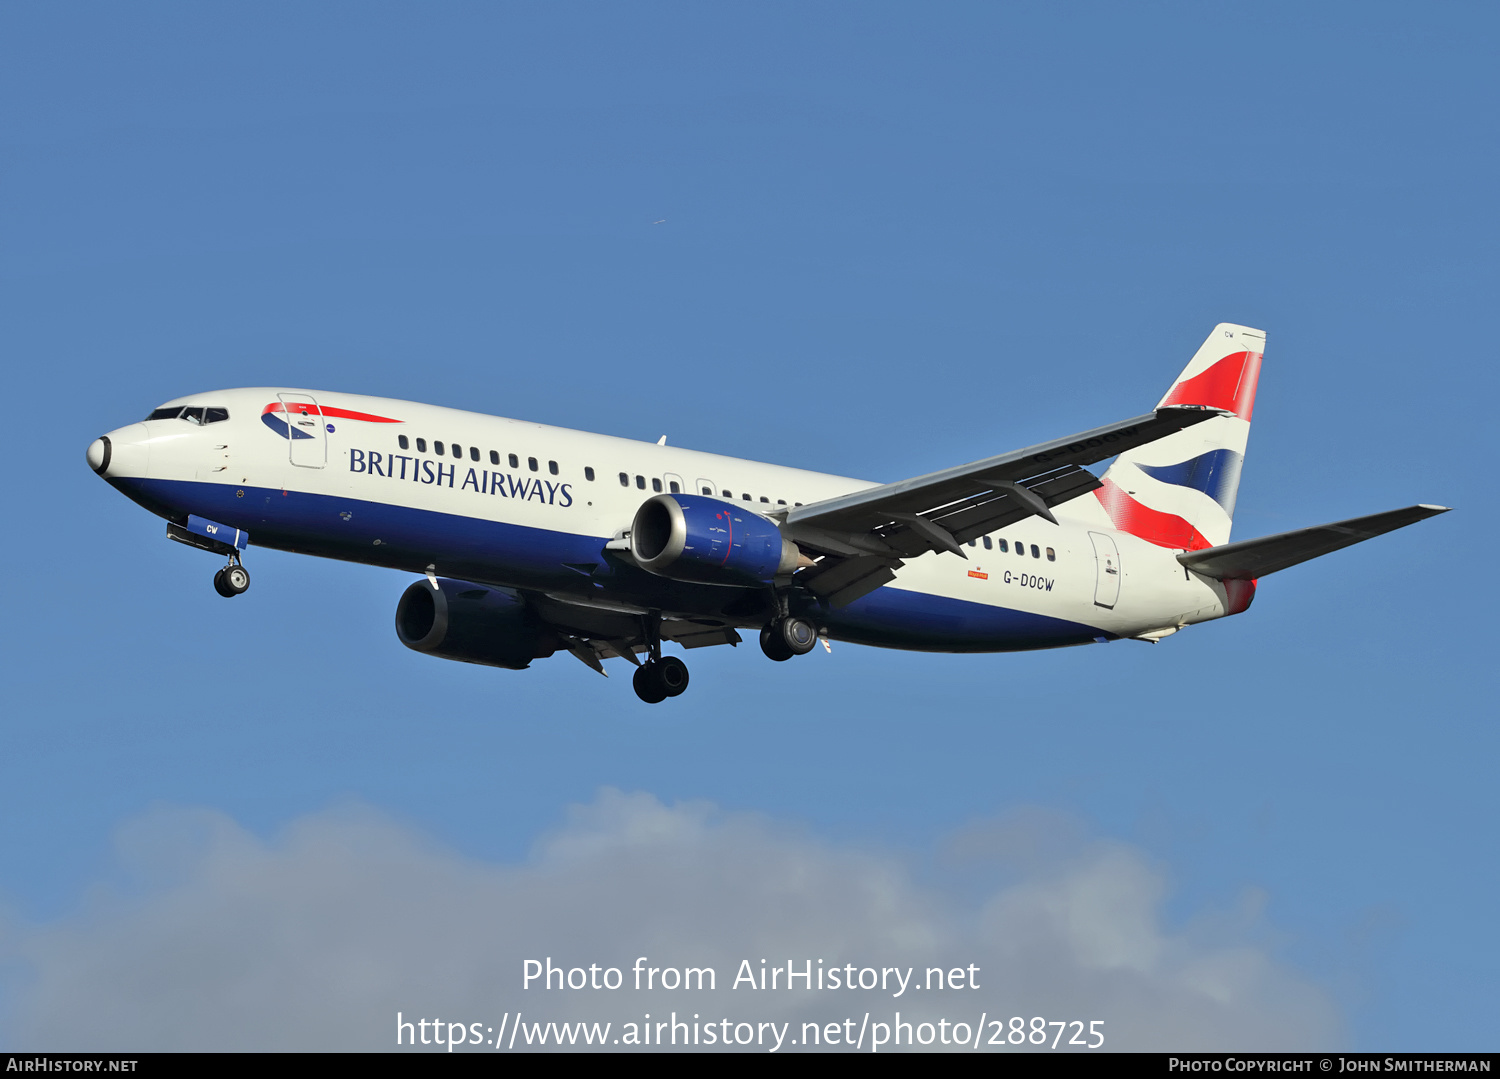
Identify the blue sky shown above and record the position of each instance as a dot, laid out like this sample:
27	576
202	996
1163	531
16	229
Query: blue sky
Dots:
873	240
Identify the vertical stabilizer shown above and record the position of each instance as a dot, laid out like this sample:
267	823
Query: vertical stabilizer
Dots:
1179	491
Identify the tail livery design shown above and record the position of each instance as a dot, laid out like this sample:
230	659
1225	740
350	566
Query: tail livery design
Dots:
1179	491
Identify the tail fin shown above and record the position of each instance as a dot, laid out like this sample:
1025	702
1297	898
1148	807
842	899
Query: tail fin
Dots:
1179	491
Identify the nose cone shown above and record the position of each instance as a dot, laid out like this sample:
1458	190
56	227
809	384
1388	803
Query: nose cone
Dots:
99	453
120	453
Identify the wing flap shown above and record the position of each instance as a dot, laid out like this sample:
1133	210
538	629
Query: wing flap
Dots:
1252	559
842	581
594	634
694	635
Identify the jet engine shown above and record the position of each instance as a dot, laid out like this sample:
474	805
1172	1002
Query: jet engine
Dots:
693	538
472	623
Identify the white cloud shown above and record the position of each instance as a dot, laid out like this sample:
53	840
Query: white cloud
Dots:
317	939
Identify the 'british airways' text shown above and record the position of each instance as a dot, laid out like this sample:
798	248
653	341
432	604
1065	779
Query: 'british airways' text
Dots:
481	481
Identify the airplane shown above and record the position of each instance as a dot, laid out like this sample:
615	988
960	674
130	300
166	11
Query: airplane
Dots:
532	540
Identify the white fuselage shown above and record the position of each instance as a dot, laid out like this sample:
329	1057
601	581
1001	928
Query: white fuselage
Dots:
517	509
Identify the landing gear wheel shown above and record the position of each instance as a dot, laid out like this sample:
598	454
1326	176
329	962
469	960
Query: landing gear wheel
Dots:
648	684
232	580
672	674
788	637
772	644
799	636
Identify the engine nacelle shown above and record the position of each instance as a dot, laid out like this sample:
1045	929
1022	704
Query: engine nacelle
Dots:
708	540
472	623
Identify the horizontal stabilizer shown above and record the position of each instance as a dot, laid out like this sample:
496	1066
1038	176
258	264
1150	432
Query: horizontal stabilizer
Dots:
1251	559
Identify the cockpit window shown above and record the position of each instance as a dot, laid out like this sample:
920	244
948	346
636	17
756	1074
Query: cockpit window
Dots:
191	414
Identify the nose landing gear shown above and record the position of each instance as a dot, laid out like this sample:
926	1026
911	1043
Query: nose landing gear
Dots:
232	580
226	540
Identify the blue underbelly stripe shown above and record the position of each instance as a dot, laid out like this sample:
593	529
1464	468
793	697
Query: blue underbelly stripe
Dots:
518	556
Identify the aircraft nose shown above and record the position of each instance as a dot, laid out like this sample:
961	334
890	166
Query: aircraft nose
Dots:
99	454
120	453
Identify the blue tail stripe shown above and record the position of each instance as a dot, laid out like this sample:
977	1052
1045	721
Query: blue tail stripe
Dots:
1215	473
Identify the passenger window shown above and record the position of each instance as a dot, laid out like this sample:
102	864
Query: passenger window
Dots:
656	485
781	502
588	473
763	498
494	457
473	453
708	490
1051	555
1021	549
728	494
458	451
973	543
437	448
515	462
421	445
624	479
640	481
745	497
672	486
796	503
1004	547
987	544
531	461
552	467
401	440
1035	551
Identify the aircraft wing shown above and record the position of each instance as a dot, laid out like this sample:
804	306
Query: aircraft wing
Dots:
1250	559
864	536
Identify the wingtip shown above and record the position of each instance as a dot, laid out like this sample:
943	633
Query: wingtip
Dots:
1435	509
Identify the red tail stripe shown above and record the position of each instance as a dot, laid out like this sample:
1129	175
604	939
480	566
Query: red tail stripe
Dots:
1153	526
1228	384
331	413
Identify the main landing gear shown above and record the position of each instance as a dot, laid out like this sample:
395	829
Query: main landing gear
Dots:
660	676
232	580
657	679
786	637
